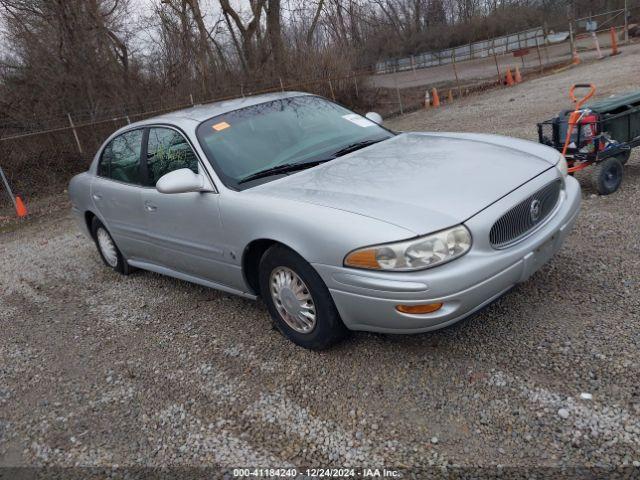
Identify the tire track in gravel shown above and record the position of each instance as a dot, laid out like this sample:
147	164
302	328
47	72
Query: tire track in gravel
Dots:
586	417
200	440
327	436
143	346
216	383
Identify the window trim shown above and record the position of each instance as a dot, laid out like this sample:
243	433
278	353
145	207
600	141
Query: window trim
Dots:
143	156
145	153
201	166
107	143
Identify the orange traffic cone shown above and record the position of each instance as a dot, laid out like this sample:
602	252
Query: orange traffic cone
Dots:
450	96
435	99
509	78
427	99
518	77
576	59
21	209
614	42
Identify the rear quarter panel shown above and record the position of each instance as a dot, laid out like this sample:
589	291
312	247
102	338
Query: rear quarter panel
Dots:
80	197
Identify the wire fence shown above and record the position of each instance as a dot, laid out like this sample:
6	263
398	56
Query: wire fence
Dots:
482	49
39	158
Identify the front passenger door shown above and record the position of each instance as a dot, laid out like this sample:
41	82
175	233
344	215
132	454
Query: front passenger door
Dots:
184	229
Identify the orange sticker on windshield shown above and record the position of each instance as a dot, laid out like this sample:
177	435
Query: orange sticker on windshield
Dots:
220	126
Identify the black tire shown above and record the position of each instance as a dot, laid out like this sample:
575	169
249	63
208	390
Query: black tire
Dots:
121	265
624	157
607	175
328	329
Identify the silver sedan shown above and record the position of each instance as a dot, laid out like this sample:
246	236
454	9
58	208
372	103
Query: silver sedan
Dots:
337	223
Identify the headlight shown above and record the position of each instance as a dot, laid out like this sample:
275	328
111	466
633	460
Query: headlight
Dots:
562	166
415	254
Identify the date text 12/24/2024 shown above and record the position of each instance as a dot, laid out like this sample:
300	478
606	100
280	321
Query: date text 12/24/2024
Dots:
316	472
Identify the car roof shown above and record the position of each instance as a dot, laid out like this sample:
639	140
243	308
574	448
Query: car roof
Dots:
200	113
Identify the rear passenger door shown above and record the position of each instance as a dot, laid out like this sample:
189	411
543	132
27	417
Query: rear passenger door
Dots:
184	228
116	192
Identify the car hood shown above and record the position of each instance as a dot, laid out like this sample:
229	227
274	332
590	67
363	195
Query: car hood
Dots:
418	181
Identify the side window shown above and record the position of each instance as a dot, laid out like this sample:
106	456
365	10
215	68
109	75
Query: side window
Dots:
121	158
167	151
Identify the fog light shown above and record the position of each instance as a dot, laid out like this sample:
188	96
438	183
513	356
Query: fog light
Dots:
418	309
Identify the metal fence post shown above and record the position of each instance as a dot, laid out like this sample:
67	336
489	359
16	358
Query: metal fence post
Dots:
355	83
626	23
571	45
455	71
8	187
399	99
75	133
333	95
539	56
191	98
495	59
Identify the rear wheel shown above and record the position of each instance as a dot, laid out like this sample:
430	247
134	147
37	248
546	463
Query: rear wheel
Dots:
607	175
107	248
298	300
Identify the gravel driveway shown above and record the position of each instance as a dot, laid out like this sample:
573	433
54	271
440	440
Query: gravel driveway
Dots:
97	369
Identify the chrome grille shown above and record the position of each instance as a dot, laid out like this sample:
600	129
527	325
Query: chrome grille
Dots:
525	216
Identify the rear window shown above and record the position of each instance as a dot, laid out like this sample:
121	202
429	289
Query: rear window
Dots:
120	159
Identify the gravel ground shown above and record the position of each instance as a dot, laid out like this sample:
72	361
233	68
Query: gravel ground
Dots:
97	369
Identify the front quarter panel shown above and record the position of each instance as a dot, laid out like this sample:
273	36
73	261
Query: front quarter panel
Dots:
319	234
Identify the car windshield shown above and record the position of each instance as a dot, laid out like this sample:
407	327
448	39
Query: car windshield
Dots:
287	134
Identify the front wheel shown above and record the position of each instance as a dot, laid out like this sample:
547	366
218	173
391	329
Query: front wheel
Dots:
607	175
298	300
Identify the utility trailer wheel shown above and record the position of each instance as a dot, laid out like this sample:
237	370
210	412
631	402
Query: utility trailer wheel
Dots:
624	157
607	175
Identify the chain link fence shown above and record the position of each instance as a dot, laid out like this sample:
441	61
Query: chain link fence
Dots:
39	157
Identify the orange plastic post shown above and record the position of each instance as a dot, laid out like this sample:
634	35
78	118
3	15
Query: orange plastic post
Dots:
435	99
518	77
450	96
614	42
576	59
509	78
21	209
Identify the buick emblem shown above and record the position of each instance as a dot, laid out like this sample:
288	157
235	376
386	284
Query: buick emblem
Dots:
534	210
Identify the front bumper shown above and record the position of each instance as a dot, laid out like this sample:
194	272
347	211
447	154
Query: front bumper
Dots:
366	300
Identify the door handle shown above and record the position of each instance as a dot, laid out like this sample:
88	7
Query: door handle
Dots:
97	196
150	207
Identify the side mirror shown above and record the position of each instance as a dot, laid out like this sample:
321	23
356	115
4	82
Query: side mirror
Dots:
181	181
374	117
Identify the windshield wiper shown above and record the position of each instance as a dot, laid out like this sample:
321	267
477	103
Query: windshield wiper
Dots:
285	168
355	146
292	167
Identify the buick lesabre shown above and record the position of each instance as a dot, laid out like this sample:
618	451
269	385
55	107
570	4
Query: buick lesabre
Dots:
334	221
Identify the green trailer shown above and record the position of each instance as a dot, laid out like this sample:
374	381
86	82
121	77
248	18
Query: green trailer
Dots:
620	116
604	135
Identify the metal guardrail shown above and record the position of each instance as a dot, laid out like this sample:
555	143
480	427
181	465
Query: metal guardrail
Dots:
494	46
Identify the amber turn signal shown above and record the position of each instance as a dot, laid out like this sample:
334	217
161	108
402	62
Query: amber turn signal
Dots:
363	259
418	309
